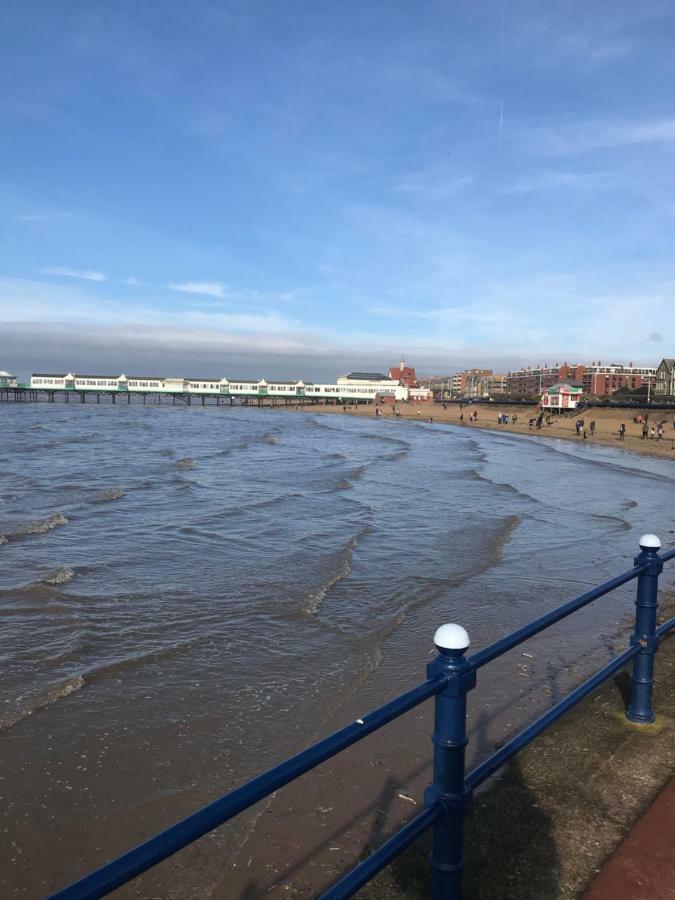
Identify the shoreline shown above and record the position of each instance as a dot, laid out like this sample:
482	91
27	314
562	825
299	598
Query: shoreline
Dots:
561	427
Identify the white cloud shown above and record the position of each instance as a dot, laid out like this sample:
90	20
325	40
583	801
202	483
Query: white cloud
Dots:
584	137
552	180
131	281
40	217
432	184
65	272
29	301
208	288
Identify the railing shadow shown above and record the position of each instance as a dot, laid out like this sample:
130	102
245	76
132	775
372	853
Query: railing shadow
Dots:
509	846
407	876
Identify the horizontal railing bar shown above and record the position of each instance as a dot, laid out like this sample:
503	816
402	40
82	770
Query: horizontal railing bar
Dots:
381	857
665	628
527	631
162	845
504	754
667	554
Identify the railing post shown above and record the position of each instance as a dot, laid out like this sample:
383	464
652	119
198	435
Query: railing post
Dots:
449	739
640	708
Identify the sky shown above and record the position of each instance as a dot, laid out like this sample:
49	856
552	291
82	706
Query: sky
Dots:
293	189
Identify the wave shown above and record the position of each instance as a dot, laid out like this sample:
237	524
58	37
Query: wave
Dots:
336	455
129	663
475	475
268	438
41	526
62	575
60	692
61	442
180	484
386	439
185	463
319	423
357	473
264	504
622	524
341	569
110	494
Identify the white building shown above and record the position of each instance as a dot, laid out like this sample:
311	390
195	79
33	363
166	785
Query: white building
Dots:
561	397
359	387
7	380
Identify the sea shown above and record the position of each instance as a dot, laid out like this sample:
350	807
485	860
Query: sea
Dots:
190	595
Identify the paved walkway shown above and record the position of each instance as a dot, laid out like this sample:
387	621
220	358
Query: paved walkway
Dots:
643	868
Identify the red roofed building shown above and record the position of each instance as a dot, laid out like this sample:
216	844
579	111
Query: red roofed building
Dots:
405	375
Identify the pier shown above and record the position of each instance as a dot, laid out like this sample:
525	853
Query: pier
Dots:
114	397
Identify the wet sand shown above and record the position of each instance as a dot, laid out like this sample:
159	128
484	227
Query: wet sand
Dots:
607	422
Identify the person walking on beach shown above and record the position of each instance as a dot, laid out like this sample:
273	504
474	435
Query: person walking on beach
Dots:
652	433
659	432
622	431
592	427
461	416
645	431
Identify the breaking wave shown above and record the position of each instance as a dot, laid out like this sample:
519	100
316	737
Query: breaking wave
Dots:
62	575
60	692
41	526
340	570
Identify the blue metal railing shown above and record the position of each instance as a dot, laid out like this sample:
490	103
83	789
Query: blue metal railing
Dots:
449	679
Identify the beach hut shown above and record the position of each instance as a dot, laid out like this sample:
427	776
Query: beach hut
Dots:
561	397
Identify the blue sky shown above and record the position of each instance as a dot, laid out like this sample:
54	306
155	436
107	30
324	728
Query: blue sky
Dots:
261	188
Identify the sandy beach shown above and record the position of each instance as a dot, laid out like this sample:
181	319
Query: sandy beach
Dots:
607	422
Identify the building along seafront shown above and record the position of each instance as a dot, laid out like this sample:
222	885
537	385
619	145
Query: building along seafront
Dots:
597	379
352	388
664	384
561	397
7	380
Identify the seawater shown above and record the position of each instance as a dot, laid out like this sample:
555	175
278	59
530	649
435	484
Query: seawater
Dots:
190	595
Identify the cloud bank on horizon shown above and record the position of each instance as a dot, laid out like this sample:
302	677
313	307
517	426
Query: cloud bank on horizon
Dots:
299	190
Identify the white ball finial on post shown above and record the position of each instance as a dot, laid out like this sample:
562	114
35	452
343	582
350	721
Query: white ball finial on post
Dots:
649	542
451	637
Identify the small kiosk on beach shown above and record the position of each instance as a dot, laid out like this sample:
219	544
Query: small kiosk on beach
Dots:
561	397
